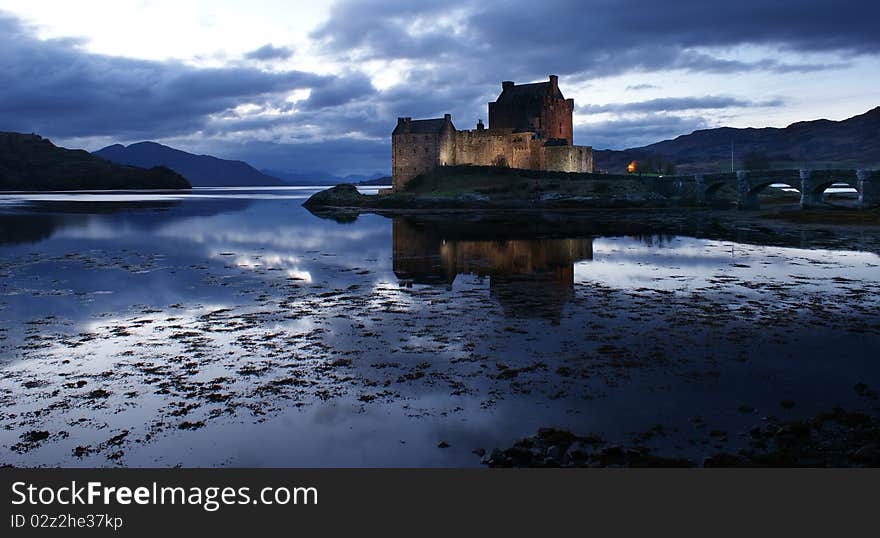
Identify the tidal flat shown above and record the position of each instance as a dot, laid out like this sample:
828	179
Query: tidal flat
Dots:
232	327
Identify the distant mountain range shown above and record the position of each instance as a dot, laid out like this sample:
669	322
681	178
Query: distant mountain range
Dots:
200	170
209	171
324	178
32	163
850	143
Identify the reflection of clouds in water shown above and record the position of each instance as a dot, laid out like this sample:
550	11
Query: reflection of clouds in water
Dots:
96	228
289	264
347	244
291	238
688	263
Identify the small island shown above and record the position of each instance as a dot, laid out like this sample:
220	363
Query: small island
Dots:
486	187
29	162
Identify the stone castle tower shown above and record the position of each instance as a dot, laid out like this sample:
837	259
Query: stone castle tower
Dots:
539	107
530	127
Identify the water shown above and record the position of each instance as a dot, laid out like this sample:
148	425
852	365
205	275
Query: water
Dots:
231	327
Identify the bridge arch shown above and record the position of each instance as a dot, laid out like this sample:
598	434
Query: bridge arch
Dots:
756	186
818	181
711	189
750	184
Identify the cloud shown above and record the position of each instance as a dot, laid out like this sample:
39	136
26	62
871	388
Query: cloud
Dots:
448	55
55	88
339	91
526	39
269	52
669	104
637	87
637	132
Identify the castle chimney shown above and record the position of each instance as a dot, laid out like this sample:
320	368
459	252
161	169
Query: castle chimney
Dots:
554	83
506	84
447	117
480	126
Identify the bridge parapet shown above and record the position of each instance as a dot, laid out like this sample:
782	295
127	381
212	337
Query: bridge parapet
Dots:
750	183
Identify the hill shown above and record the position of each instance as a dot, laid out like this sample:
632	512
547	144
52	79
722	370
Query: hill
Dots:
325	178
379	181
31	162
849	143
200	170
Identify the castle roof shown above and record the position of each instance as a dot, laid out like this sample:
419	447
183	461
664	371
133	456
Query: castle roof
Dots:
513	93
428	126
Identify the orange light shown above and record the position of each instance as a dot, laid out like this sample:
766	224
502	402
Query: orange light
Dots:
631	167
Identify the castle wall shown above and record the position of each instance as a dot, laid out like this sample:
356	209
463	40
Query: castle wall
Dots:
482	147
568	159
556	117
414	154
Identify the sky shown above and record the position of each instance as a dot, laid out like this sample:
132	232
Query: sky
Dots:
317	86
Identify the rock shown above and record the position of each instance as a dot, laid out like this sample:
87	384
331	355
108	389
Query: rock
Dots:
550	462
868	454
576	455
494	458
344	195
555	452
35	436
612	455
552	436
794	429
724	459
443	444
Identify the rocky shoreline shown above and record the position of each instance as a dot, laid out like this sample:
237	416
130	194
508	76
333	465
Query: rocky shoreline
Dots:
837	438
347	196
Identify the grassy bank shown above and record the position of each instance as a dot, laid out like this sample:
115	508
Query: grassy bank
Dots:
475	187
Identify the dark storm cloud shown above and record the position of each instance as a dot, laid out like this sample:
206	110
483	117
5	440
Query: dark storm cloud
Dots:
340	91
395	28
54	88
525	39
269	52
669	104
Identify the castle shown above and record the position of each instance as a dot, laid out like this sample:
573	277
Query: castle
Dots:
530	127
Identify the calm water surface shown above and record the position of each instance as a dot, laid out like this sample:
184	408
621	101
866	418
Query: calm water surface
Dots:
233	327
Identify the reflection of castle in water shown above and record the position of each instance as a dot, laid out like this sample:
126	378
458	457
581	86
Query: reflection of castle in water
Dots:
529	277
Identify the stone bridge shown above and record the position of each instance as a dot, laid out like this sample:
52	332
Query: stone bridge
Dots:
748	184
